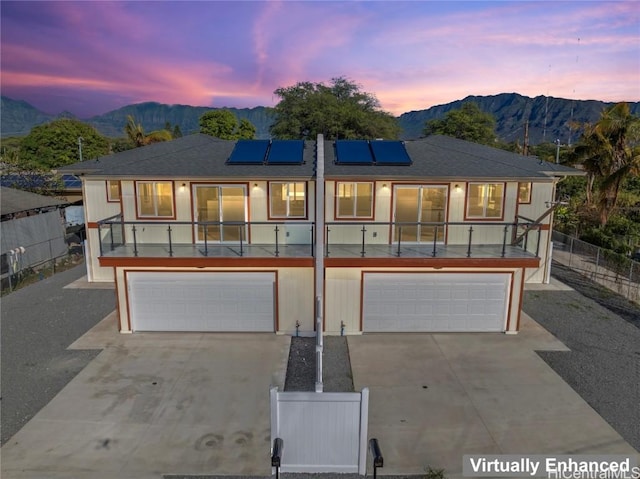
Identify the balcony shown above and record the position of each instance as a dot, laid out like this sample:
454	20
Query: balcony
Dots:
295	239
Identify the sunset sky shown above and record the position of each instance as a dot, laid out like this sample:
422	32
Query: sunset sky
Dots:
93	57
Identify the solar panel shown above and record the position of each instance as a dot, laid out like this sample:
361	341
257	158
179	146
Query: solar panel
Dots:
390	152
285	152
353	152
71	181
249	152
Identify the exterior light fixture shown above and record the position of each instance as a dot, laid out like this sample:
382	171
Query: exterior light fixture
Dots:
457	187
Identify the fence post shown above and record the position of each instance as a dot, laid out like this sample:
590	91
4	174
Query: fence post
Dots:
630	277
570	251
53	260
595	275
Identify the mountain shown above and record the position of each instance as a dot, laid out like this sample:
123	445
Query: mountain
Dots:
153	116
548	117
18	117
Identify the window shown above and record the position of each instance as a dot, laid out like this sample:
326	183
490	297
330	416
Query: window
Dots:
113	191
288	200
155	199
524	192
354	200
485	200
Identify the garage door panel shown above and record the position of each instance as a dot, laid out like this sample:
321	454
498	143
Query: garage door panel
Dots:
163	301
433	302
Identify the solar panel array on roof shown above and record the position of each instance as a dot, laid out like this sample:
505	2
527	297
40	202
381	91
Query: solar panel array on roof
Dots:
71	181
389	152
353	152
285	152
249	152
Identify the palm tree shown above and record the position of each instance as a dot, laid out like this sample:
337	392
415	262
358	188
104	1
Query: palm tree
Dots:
135	132
609	151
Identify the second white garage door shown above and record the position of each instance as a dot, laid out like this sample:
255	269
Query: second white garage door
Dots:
160	301
435	302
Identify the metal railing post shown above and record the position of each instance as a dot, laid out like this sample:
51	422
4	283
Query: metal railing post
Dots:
100	240
435	239
276	232
469	246
362	252
206	247
538	242
240	234
170	242
135	241
327	242
111	236
504	242
312	241
399	239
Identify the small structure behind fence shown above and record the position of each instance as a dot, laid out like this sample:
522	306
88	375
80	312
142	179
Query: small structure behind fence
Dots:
321	432
615	271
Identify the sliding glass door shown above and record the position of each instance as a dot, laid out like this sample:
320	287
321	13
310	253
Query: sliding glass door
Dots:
416	205
220	203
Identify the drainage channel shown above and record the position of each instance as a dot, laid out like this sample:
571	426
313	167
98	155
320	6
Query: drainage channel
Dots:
301	367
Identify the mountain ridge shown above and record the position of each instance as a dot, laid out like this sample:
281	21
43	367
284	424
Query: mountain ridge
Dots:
549	118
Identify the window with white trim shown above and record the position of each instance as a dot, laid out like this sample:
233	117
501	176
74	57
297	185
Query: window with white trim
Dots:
287	200
155	199
484	200
354	200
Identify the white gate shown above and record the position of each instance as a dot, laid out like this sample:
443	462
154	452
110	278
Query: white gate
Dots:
321	432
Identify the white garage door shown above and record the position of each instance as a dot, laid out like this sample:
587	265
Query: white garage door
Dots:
201	301
434	302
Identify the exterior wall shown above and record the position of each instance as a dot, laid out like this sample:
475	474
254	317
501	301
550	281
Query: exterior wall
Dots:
341	232
343	295
542	194
295	300
96	208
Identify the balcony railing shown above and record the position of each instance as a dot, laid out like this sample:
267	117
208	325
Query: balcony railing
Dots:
296	238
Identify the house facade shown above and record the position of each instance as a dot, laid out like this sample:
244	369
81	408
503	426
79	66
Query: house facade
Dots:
202	234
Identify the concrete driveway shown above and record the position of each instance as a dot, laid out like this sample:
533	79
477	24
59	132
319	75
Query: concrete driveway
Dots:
436	397
154	404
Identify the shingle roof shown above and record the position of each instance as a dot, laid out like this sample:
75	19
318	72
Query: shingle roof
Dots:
191	156
435	157
446	158
15	201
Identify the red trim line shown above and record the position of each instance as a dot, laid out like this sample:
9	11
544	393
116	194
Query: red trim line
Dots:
205	262
431	262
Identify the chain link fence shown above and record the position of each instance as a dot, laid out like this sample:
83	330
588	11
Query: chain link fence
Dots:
613	270
17	270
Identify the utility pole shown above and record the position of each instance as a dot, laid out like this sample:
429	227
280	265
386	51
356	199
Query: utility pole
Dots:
557	150
80	139
525	147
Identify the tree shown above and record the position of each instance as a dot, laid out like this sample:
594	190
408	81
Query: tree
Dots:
338	111
609	151
135	133
56	144
224	125
468	123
